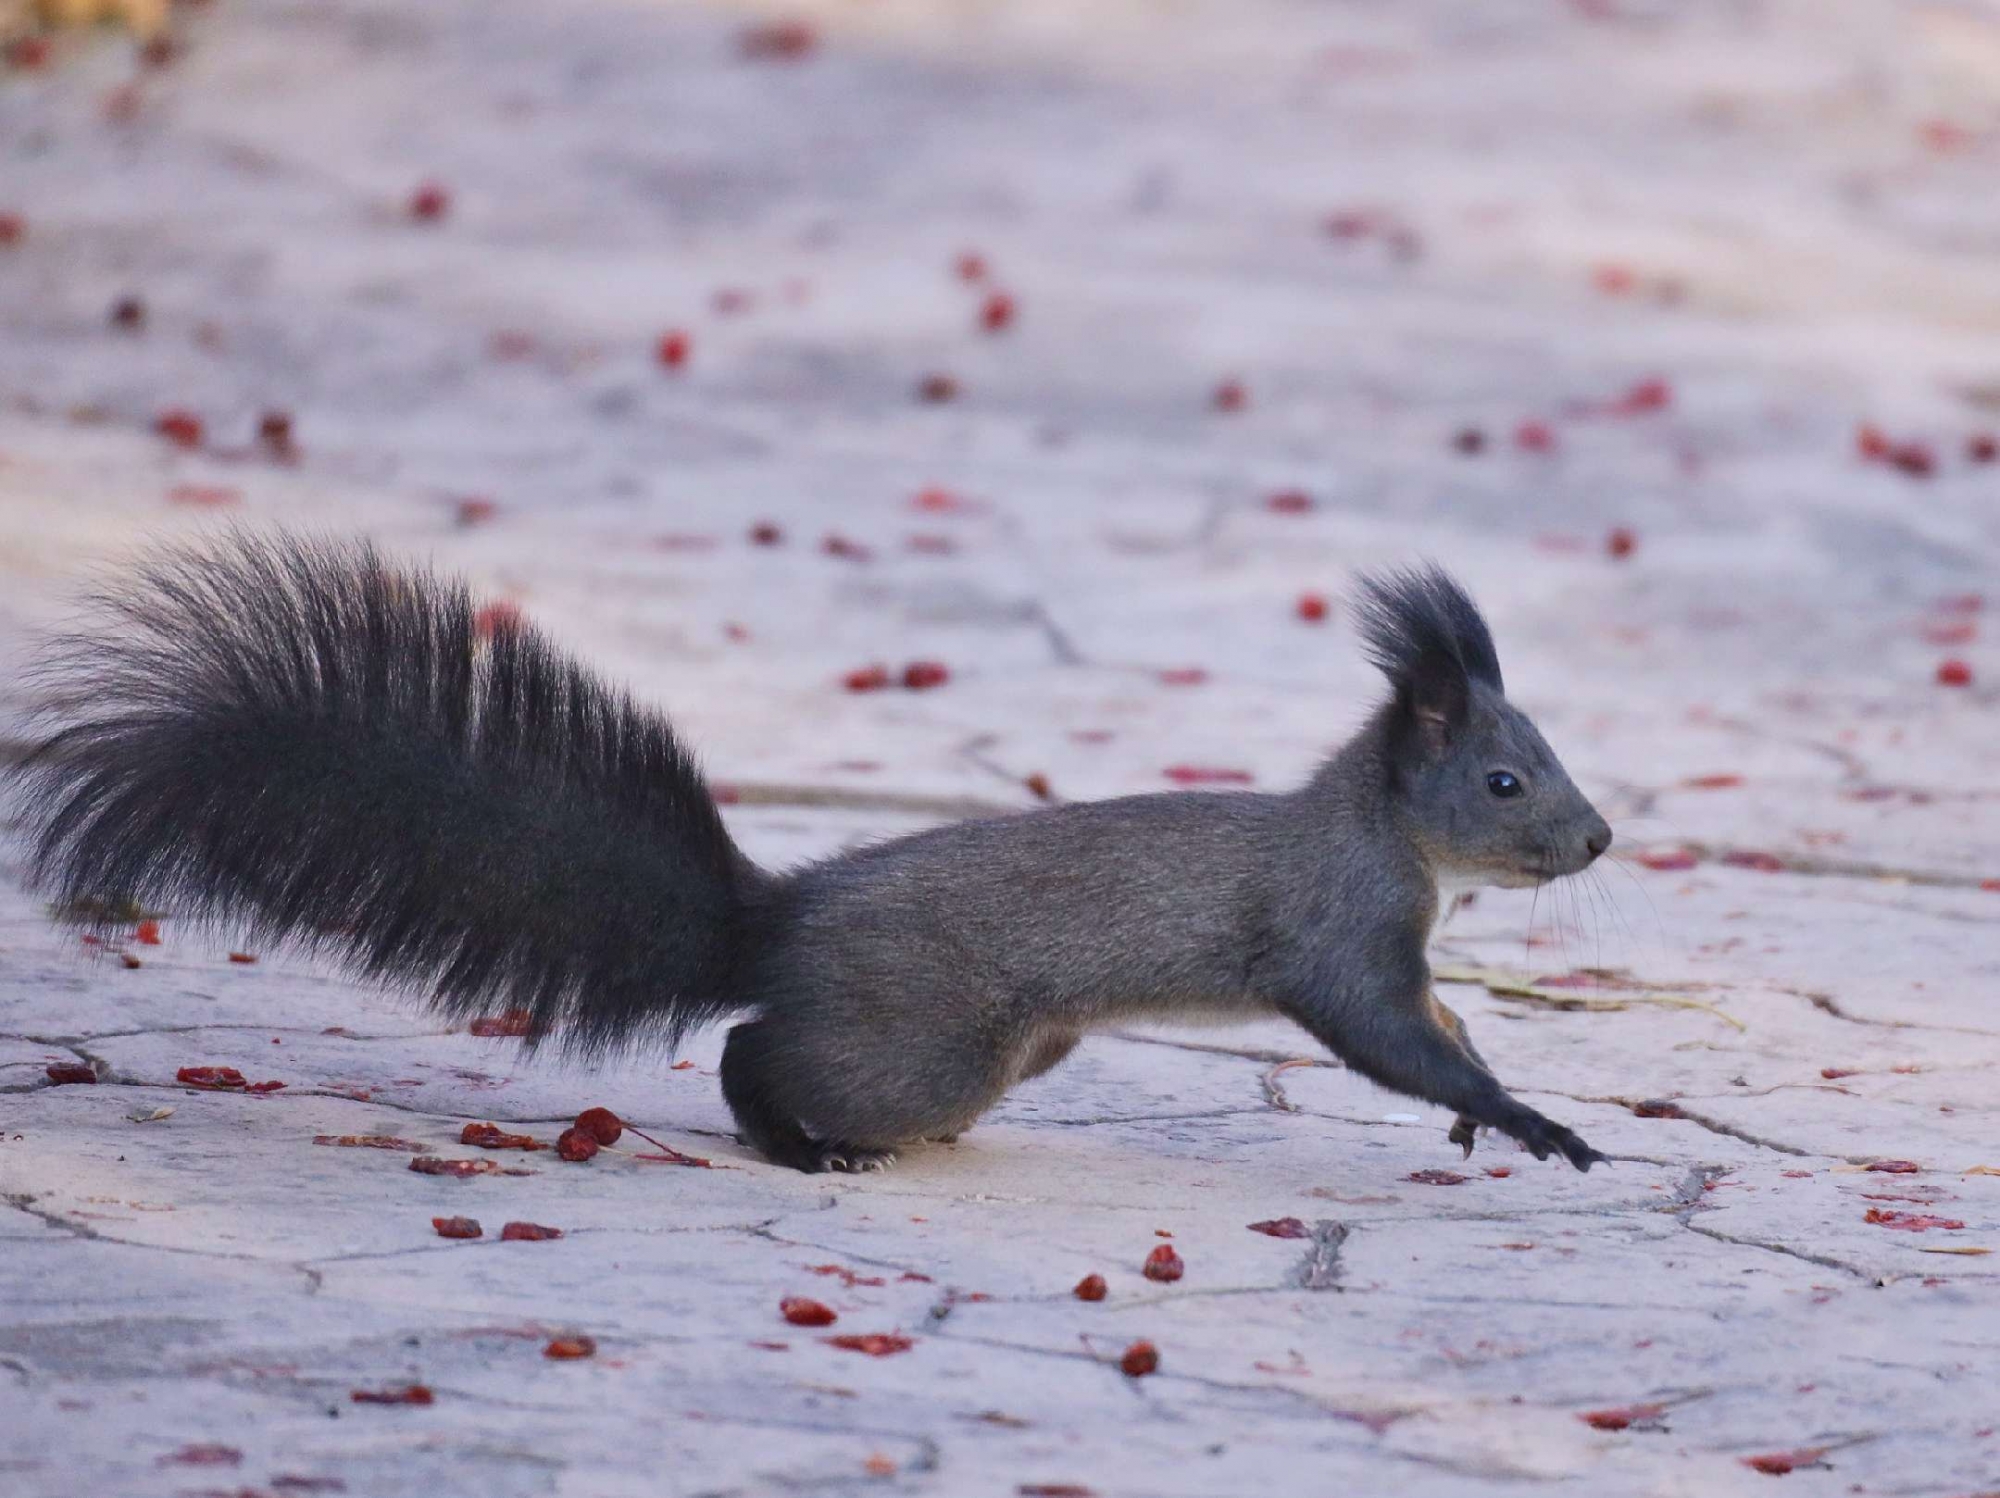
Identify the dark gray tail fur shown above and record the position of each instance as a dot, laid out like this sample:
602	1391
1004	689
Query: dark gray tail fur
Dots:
290	736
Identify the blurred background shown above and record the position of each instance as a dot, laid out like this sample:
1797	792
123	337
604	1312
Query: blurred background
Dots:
1076	353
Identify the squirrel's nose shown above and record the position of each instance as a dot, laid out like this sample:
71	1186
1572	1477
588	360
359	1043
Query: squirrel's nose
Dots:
1598	841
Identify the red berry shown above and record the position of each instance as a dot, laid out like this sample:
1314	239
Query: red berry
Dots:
1230	396
1644	397
1289	502
764	533
476	510
528	1232
456	1227
866	679
996	313
1090	1287
182	428
1871	443
836	545
1983	448
672	349
13	229
1913	458
1140	1359
147	934
429	203
1469	440
1535	437
575	1345
970	266
128	314
1038	786
1613	279
1954	673
601	1124
1312	607
936	389
921	676
780	41
28	53
575	1145
799	1310
1164	1265
1621	543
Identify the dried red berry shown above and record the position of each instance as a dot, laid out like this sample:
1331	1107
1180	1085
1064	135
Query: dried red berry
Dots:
243	959
779	41
514	1021
1230	396
1896	1167
434	1165
1954	673
1090	1287
1206	775
1725	782
128	314
1913	458
1778	1463
528	1232
936	389
1643	398
875	1344
1910	1222
69	1073
1535	437
1621	543
1656	1108
764	533
429	203
1667	859
182	428
1282	1227
126	959
1164	1265
1753	858
1983	448
970	266
1038	786
1871	443
456	1227
1289	502
921	676
406	1394
802	1311
996	313
214	1077
274	431
601	1124
1140	1359
475	510
1469	440
490	1136
206	1454
836	545
576	1146
371	1141
1312	607
672	350
1623	1418
866	679
28	54
575	1345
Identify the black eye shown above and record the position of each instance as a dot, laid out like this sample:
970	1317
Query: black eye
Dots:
1503	784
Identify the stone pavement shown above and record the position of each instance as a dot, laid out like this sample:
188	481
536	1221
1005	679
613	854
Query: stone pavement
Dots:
1660	265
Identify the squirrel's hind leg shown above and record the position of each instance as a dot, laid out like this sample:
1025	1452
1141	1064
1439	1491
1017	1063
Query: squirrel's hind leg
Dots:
750	1088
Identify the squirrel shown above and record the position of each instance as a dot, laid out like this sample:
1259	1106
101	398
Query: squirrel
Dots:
294	735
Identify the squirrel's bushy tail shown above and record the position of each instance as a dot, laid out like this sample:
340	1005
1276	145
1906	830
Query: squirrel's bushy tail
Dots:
290	736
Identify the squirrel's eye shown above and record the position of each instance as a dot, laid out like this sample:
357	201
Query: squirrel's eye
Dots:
1503	784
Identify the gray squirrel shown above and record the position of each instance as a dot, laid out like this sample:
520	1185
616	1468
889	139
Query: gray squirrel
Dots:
294	736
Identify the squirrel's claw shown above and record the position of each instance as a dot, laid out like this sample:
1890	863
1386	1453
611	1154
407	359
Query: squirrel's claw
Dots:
1463	1131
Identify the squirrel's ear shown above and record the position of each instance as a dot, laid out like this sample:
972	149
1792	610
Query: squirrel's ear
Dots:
1437	696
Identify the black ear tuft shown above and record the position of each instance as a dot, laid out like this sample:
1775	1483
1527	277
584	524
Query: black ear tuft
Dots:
1418	615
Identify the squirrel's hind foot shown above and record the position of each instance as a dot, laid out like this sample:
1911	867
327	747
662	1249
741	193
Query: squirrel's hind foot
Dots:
850	1159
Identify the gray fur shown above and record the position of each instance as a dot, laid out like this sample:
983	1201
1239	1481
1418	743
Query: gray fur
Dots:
301	739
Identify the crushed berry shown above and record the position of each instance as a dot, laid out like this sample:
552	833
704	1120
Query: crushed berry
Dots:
216	1078
406	1394
434	1165
866	679
1282	1227
875	1344
1436	1178
69	1073
456	1227
491	1136
1206	775
576	1345
1665	860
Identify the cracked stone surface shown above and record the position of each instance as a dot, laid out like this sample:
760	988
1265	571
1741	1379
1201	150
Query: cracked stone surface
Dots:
1781	210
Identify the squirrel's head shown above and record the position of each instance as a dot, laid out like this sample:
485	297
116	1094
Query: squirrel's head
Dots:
1485	796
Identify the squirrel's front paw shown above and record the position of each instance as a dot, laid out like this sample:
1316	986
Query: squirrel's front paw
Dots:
1544	1137
1463	1132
